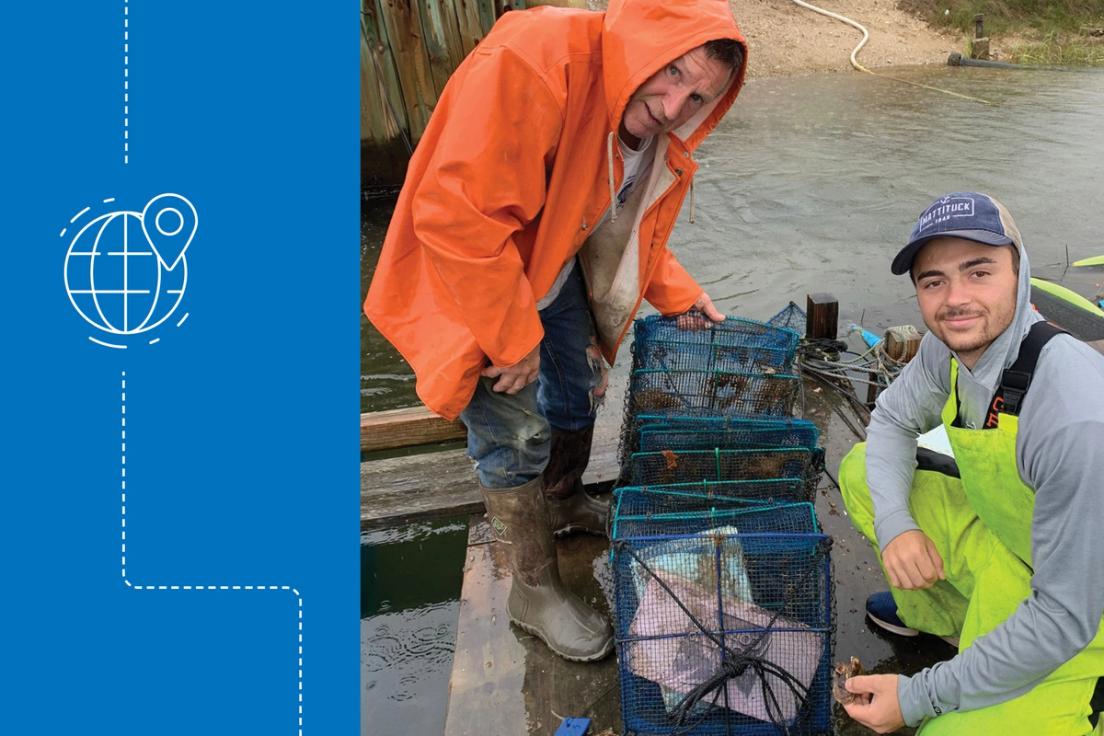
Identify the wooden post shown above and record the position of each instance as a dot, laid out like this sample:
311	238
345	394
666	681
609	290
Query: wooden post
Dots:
901	343
872	390
979	46
821	316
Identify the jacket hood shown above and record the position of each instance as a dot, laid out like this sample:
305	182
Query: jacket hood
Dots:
640	37
1003	351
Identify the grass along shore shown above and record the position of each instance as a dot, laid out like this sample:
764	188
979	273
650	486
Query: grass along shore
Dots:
1063	33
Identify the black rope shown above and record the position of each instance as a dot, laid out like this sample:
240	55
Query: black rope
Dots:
733	663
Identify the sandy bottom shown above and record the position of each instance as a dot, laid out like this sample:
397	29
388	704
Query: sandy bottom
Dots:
785	38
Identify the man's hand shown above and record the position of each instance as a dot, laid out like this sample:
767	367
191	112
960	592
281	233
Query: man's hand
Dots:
700	315
876	706
911	561
513	378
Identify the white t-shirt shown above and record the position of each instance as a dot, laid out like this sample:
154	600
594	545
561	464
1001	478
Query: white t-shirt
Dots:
637	162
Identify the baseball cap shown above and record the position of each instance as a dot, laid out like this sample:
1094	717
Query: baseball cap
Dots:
968	215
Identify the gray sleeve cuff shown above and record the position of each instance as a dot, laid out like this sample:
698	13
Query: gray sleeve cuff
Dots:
912	698
889	526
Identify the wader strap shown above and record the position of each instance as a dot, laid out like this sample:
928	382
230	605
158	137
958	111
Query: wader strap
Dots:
1096	704
1016	379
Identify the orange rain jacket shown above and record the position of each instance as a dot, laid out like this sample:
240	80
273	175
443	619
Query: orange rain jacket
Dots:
512	173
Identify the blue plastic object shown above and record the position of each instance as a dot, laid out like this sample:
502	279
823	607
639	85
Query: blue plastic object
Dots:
868	337
573	727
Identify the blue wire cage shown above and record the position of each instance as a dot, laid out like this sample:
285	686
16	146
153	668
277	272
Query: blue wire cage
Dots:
655	433
670	466
704	495
726	627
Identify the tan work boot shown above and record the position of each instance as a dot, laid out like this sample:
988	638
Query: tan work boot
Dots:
538	602
570	508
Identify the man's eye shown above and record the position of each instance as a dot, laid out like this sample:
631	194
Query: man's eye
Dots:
980	274
673	70
696	99
930	284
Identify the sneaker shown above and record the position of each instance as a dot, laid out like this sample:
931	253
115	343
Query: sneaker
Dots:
881	609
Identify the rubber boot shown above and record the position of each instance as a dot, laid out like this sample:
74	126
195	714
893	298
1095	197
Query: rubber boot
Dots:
538	601
570	508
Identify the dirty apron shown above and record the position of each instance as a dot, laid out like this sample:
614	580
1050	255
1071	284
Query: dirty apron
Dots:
981	526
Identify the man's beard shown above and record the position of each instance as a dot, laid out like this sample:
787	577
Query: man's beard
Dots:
968	342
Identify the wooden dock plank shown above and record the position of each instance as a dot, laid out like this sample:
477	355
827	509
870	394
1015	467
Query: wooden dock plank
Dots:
415	425
402	489
505	681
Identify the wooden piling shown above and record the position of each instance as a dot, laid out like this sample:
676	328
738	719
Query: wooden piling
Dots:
821	316
409	49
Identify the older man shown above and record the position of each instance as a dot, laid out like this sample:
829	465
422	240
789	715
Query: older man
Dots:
533	221
1002	546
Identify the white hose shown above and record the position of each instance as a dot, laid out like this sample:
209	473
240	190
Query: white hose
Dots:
866	37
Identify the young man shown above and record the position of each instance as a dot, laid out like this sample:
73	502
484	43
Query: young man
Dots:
533	221
1003	550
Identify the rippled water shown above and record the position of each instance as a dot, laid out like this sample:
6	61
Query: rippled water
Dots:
410	589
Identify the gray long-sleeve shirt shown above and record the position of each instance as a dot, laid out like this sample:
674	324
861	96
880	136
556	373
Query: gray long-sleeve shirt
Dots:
1059	454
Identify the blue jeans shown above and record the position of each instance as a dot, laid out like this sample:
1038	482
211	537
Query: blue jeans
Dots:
509	437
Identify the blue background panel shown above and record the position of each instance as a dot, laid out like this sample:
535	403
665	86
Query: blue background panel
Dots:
242	434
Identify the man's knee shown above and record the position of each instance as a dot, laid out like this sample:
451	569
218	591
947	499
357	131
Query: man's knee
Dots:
508	438
852	481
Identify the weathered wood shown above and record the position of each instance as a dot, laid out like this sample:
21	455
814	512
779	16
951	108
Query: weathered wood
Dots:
397	490
470	29
822	316
416	425
902	343
403	30
441	37
488	13
505	681
382	112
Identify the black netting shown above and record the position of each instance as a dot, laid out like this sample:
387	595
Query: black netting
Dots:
792	317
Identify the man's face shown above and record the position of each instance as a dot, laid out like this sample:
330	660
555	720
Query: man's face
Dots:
672	95
966	292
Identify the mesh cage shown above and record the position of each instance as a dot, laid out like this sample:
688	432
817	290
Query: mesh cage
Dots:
726	433
673	355
744	336
792	317
724	632
654	433
711	393
705	495
786	517
669	466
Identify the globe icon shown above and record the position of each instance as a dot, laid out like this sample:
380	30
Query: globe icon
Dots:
116	278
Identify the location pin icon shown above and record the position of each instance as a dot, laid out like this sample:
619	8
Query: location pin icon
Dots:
169	222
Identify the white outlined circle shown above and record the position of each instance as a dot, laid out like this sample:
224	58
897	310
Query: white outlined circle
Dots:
179	225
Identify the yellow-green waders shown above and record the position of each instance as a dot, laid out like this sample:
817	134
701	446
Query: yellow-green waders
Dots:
981	526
